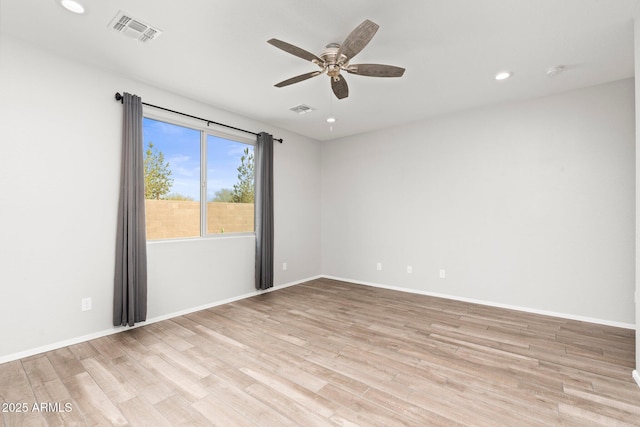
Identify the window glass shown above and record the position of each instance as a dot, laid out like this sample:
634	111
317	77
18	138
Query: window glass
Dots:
174	171
172	180
230	186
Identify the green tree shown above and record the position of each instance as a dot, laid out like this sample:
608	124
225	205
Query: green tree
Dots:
157	175
178	197
223	195
243	190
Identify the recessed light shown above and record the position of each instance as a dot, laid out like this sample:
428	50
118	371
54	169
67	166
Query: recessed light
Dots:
72	6
331	119
503	75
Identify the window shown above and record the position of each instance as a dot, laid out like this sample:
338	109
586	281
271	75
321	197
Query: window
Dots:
196	183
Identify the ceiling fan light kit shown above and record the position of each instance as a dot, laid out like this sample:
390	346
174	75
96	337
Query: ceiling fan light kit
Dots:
335	58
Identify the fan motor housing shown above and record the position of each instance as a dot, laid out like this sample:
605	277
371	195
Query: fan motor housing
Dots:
332	63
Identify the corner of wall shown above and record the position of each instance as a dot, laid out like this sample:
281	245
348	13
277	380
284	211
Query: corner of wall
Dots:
636	50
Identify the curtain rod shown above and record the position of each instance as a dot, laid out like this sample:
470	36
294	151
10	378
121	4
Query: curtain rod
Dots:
120	98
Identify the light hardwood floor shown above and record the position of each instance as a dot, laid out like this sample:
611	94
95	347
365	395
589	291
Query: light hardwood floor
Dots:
333	353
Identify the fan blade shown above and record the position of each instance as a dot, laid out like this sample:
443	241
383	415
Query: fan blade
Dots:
297	79
375	70
339	87
357	40
295	50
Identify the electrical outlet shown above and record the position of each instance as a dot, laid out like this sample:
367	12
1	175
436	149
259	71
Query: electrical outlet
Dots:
284	266
443	273
379	266
86	304
409	269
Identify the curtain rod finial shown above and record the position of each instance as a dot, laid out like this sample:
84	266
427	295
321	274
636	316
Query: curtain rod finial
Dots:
118	97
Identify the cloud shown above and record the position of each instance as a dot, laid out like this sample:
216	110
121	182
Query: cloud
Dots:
183	165
237	150
180	159
187	172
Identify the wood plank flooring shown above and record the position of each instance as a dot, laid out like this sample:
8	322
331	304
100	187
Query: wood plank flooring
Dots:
332	353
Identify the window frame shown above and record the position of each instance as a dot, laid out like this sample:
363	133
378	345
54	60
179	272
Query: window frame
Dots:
205	130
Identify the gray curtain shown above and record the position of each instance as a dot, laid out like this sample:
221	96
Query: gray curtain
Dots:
264	210
130	282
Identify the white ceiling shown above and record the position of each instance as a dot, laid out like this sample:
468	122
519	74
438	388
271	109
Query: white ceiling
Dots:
216	51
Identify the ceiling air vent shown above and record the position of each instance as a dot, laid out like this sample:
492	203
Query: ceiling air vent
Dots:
134	28
301	109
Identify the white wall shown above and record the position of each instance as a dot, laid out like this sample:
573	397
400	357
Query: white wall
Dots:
59	174
529	204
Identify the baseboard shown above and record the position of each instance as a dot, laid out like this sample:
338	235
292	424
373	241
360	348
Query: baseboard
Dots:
489	303
286	285
115	330
636	376
59	344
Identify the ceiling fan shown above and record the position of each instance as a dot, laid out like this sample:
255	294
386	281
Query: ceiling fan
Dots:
335	58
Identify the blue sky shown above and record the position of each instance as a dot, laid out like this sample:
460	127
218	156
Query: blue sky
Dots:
181	148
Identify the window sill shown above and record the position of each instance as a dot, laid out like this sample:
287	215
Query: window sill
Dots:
210	237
